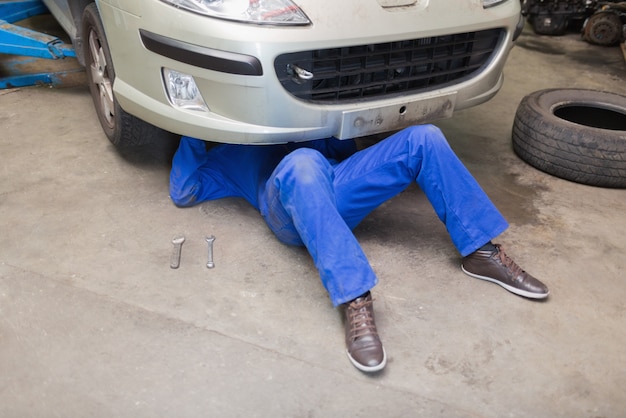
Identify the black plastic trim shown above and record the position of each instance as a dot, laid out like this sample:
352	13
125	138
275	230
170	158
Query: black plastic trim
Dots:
199	56
389	69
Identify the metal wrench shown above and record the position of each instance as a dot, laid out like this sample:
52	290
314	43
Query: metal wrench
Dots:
178	245
210	264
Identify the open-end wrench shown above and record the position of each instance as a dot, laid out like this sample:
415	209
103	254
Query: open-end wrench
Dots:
210	264
178	245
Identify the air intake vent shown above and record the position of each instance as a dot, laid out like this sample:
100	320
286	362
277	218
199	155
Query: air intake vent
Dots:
376	70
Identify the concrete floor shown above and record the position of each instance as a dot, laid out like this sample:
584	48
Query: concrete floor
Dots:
94	323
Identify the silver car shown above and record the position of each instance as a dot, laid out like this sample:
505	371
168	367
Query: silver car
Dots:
275	71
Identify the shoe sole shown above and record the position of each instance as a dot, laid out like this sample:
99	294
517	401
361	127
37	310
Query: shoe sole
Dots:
510	288
368	369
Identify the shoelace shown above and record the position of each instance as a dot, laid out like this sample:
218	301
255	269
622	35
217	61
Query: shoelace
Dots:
360	317
508	262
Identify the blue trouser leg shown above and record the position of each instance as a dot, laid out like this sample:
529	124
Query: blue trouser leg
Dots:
308	201
421	154
299	205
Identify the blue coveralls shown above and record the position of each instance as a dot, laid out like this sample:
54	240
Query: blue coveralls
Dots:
314	193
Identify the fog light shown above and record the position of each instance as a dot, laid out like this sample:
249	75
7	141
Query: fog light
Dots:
182	91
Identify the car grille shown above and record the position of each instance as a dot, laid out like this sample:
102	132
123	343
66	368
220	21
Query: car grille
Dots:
367	71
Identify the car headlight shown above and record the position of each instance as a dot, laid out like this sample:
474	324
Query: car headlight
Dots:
491	3
267	12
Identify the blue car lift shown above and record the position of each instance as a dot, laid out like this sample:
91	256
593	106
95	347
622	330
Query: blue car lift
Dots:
19	41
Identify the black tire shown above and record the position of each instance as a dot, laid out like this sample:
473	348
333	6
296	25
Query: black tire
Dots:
603	28
122	129
574	134
551	25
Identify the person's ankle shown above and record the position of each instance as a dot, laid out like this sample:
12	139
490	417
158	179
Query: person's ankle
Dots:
489	246
364	295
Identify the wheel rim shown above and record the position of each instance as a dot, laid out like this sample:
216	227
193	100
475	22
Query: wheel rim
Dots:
603	32
604	29
100	78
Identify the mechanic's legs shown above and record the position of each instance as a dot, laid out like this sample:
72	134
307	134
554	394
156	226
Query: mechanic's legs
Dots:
422	154
307	202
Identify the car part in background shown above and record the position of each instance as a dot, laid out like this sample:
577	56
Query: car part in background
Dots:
607	26
574	134
552	17
602	22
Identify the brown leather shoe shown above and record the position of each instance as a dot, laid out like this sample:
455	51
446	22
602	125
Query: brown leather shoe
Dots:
365	350
497	267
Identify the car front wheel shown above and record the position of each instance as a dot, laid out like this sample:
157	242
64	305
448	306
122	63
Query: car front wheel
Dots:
122	129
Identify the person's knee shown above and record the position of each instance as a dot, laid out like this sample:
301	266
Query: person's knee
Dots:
424	133
426	139
307	157
305	165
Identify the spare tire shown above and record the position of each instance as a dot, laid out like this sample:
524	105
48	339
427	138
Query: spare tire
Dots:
574	134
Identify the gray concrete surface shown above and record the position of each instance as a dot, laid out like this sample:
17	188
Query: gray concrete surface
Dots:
94	323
